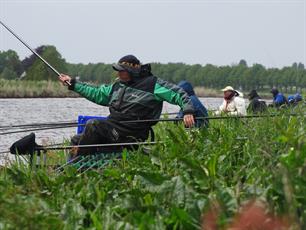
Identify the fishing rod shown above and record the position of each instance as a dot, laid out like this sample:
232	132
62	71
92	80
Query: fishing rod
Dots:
3	152
39	129
68	147
96	145
21	151
203	118
74	124
33	51
33	125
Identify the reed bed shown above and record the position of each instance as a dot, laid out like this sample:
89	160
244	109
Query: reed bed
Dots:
32	89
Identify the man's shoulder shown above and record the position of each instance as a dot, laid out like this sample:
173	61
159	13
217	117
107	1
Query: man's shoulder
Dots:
239	99
280	95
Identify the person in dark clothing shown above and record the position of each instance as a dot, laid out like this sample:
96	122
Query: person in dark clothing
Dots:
278	98
136	95
200	110
256	105
295	99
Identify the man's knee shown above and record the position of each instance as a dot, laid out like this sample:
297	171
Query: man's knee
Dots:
75	139
91	126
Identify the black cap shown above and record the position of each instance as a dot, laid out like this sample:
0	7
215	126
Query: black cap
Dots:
128	63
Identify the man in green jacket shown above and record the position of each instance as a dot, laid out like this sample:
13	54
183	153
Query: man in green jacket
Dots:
136	95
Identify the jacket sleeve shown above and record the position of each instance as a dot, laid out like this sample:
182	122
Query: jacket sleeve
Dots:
240	107
200	109
165	91
99	95
221	108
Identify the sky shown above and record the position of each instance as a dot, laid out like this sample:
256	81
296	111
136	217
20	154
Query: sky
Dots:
269	32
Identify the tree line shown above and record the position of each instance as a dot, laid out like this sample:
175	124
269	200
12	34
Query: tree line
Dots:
241	76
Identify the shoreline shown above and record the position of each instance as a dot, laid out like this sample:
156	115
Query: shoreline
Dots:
51	89
77	96
206	96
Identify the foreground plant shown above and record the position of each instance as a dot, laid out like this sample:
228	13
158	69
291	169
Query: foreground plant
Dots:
232	162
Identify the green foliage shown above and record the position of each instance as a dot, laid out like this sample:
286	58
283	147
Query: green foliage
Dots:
8	74
39	71
241	76
10	65
230	163
21	89
290	79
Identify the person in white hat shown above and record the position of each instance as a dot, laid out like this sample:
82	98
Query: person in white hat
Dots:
233	103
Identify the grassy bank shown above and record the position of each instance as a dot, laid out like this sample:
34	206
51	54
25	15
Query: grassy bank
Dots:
32	89
196	174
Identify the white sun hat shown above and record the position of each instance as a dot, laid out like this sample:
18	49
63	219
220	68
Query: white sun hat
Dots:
228	88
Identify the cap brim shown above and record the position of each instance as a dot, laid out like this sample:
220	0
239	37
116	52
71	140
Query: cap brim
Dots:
227	89
118	67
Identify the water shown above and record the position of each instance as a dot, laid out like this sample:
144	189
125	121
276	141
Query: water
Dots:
49	110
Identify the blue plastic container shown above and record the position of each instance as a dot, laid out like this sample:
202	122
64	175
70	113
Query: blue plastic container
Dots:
83	119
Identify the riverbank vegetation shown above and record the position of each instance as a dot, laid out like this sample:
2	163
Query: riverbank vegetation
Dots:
197	178
243	77
32	89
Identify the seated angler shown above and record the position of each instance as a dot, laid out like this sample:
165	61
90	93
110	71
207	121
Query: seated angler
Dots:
136	95
233	103
295	99
278	98
256	104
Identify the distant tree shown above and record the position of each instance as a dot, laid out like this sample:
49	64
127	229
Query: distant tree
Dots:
8	74
29	61
240	76
243	62
9	60
39	71
301	66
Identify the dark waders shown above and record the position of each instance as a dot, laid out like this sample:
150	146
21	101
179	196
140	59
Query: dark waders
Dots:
103	132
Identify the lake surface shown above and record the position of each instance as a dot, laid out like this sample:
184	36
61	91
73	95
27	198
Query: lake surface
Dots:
49	110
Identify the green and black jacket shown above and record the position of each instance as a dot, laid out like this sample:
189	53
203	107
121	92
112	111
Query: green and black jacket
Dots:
142	98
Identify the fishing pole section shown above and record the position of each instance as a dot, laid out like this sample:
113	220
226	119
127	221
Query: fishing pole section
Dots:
33	51
71	124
